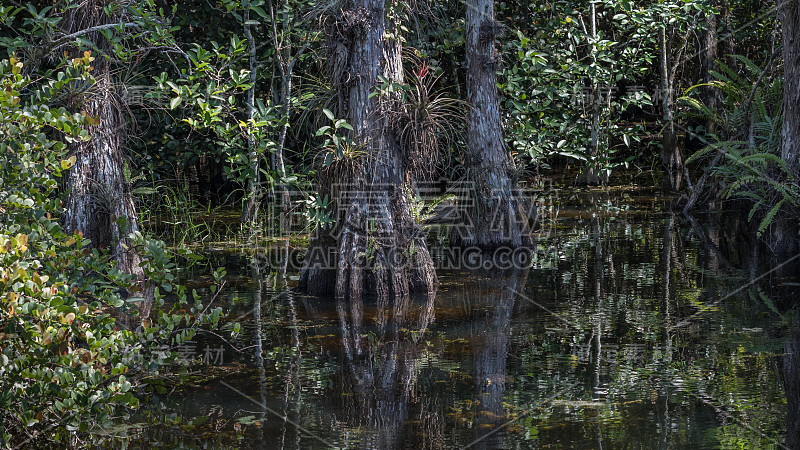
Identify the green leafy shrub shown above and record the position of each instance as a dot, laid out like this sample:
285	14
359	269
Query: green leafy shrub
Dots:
67	366
554	75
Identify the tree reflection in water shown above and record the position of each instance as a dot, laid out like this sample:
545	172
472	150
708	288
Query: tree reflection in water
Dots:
382	354
490	329
791	382
633	331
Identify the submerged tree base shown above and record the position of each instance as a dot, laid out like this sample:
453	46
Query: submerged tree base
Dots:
380	250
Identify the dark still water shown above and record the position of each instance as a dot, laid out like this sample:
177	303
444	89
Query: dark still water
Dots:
631	329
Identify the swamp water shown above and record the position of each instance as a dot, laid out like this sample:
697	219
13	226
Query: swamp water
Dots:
629	330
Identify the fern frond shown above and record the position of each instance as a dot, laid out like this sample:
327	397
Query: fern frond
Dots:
711	147
751	66
764	158
739	182
700	108
767	221
755	209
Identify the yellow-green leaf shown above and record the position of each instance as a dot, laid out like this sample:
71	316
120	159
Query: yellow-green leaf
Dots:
69	162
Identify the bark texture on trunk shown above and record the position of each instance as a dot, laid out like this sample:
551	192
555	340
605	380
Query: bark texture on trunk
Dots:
590	174
784	236
789	13
709	57
254	193
671	157
501	216
380	247
99	195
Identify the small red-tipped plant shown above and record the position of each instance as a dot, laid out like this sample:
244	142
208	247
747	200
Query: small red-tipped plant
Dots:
422	71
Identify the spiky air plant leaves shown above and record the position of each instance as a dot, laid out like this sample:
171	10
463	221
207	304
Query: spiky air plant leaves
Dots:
427	121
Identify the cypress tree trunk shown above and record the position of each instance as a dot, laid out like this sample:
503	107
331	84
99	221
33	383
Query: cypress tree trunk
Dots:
254	193
590	174
671	157
379	247
789	13
99	196
709	55
500	216
784	236
98	193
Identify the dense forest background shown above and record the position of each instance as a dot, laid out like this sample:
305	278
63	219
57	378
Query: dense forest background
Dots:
133	130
